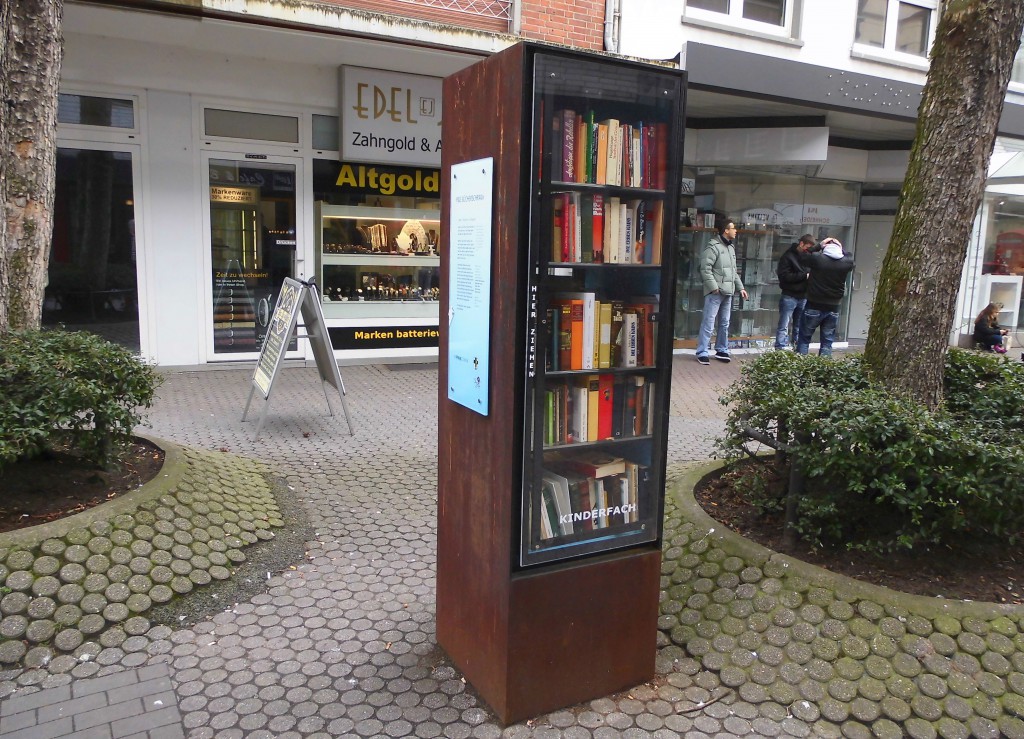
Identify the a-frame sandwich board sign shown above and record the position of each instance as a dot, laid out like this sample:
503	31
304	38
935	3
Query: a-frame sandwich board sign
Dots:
294	298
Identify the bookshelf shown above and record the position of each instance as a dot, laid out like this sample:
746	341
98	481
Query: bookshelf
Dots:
549	540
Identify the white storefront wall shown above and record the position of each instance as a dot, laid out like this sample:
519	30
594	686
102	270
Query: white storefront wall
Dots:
229	66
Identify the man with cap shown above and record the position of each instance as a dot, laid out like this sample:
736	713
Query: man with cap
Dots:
826	286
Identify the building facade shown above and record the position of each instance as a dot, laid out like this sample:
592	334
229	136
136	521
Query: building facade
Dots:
209	149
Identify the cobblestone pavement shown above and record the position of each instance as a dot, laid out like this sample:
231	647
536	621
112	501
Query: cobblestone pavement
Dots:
342	644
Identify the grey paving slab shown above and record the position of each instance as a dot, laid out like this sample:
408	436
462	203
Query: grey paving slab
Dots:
342	642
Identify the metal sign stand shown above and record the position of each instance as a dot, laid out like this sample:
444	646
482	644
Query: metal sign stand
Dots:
296	296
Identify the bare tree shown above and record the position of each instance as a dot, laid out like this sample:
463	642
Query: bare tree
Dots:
30	61
915	300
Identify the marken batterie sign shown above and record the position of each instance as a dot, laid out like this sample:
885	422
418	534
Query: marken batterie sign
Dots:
389	117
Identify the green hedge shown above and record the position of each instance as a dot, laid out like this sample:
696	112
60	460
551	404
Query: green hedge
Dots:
884	472
72	387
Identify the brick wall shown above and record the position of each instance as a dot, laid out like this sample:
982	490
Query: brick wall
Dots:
578	23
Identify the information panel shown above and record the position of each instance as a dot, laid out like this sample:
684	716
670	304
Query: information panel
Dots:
469	283
278	333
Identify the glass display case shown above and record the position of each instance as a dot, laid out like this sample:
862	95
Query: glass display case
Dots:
378	262
597	378
753	320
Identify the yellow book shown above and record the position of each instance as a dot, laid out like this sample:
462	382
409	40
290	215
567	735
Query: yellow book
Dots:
604	351
593	396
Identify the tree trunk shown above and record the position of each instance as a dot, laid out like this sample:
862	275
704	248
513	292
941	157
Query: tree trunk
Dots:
915	300
29	75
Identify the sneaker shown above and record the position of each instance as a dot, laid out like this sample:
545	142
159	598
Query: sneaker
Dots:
723	356
703	359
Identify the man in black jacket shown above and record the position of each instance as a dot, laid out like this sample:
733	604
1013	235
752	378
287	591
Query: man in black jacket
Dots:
825	289
793	282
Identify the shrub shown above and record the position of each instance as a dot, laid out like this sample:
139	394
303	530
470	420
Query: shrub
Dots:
884	472
69	386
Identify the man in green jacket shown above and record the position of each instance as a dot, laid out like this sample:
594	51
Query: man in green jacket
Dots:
721	280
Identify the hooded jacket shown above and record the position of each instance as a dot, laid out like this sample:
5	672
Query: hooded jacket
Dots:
792	274
718	267
827	283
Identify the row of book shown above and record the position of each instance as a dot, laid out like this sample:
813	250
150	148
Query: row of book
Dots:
598	407
609	152
588	228
587	333
580	495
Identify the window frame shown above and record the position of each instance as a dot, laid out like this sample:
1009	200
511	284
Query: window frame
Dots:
890	33
734	19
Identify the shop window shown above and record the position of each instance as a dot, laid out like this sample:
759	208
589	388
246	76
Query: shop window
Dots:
325	132
91	110
235	124
903	26
767	15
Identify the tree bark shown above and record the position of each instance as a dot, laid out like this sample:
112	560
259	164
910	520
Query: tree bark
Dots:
915	299
30	64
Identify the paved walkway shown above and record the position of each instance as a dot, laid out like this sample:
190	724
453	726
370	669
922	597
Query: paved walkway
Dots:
341	642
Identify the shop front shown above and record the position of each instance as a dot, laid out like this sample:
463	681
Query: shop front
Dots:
228	157
771	212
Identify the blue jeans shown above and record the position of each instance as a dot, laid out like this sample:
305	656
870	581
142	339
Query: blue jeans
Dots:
789	308
717	309
813	318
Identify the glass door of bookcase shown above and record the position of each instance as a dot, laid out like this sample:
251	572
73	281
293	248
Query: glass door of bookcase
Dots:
601	257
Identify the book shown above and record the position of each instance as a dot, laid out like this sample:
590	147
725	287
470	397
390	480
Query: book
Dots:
626	233
568	145
628	337
601	158
593	463
586	228
582	328
604	349
548	509
629	409
557	228
655	223
640	253
618	401
578	421
582	148
553	359
606	384
564	335
597	228
559	487
593	404
612	246
618	309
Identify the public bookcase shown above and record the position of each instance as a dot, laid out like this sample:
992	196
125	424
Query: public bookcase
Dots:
560	187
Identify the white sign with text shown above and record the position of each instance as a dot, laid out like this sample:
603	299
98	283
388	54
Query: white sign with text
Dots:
389	117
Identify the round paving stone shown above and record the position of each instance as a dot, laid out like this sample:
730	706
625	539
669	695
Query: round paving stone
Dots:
116	612
41	608
121	538
957	708
73	572
40	631
67	615
995	663
12	651
13	627
14	603
895	708
138	602
971	643
120	555
951	729
68	640
932	686
46	586
45	565
100	545
161	574
182	585
1011	727
919	729
20	580
93	603
943	643
961	684
95	583
202	577
117	592
140	565
927	708
20	559
835	711
91	623
161	594
53	547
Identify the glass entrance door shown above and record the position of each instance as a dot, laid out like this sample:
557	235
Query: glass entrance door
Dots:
94	265
253	239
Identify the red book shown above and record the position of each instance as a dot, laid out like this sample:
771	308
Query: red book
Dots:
598	228
606	387
567	227
660	155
